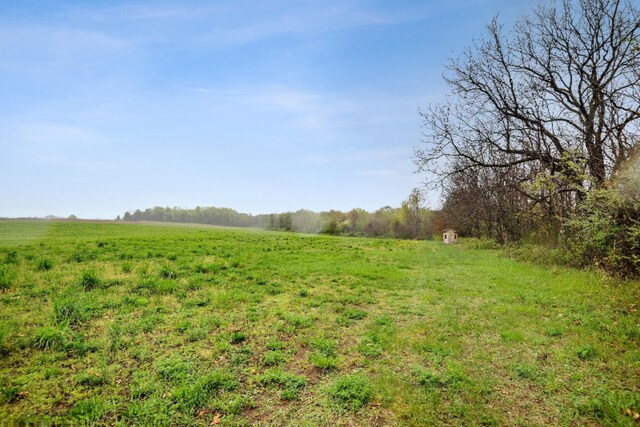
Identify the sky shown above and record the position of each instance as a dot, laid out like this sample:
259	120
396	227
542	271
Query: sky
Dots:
260	106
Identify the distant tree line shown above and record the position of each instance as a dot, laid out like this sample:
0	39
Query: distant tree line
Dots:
410	221
200	215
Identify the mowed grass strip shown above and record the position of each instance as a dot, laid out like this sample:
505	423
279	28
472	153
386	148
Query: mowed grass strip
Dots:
127	324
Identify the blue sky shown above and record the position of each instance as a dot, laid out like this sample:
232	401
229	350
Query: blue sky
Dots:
258	106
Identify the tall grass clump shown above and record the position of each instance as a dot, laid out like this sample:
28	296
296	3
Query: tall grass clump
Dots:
68	310
6	278
351	391
45	264
89	280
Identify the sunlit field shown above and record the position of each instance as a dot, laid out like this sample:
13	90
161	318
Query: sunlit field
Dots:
123	324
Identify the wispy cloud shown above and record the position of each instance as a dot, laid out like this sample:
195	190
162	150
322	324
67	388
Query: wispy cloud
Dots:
38	48
230	23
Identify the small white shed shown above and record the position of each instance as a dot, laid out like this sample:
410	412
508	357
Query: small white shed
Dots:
449	236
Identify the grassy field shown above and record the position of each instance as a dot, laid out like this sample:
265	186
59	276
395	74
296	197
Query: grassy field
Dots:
121	324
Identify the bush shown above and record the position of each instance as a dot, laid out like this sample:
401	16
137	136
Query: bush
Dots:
606	232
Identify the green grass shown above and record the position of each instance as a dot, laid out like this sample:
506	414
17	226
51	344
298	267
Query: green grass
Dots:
120	324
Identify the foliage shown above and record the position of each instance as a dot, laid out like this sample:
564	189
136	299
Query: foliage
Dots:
539	115
606	232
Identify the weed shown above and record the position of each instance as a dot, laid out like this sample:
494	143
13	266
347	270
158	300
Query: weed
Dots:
89	410
323	362
525	371
429	379
6	278
127	267
68	310
198	334
586	352
11	257
237	337
167	272
274	344
50	337
91	379
512	336
184	326
351	391
273	358
173	368
291	384
143	385
297	321
610	408
5	345
219	380
9	394
89	280
124	256
554	332
354	314
370	346
45	264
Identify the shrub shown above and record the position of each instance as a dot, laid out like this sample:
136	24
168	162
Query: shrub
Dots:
351	391
606	232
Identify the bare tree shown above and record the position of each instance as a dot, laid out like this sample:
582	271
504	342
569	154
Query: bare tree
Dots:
557	99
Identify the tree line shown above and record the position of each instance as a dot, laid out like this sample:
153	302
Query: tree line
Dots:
410	221
540	137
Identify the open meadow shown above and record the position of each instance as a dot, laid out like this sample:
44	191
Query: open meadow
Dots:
146	324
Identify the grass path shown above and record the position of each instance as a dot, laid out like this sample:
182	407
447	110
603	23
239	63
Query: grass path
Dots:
127	324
